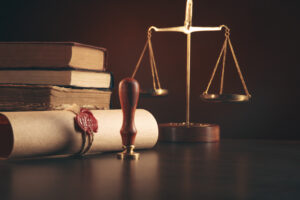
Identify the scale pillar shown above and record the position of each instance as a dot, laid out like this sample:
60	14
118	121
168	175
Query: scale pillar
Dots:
188	132
188	78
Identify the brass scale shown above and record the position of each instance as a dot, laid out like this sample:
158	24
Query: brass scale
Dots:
187	131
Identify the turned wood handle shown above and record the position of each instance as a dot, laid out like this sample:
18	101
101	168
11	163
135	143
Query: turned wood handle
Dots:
129	94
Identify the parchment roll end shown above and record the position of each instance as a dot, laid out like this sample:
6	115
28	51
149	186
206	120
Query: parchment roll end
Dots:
6	137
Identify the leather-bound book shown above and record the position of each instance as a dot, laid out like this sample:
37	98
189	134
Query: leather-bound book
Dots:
52	55
43	97
77	78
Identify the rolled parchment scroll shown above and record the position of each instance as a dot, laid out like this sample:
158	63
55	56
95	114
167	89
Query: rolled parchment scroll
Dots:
51	133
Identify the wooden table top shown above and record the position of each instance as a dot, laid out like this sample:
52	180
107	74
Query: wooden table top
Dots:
230	169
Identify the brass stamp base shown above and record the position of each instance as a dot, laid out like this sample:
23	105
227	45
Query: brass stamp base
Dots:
193	132
126	156
128	153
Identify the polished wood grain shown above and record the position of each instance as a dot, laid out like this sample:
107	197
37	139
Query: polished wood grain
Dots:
230	169
129	95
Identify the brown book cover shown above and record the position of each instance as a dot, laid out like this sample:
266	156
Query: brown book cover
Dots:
43	97
52	55
77	78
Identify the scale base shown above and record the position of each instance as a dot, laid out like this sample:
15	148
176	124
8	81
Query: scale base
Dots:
192	132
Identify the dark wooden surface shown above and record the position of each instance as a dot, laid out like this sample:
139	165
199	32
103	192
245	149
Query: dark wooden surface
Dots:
231	169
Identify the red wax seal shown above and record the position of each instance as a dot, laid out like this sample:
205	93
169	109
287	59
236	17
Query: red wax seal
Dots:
86	121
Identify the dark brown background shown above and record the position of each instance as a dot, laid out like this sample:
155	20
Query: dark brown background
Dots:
261	32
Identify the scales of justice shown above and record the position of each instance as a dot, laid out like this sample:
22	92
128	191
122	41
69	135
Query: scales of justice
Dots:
188	131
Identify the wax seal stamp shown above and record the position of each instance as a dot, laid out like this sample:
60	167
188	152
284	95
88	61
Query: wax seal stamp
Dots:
129	95
88	125
86	121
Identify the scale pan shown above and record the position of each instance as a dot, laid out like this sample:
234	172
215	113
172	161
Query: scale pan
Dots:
224	97
154	93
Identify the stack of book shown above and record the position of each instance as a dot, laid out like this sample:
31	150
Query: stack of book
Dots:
53	76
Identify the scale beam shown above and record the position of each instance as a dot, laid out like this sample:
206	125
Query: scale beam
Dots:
185	30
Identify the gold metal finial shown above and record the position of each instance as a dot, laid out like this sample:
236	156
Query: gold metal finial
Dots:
128	153
188	14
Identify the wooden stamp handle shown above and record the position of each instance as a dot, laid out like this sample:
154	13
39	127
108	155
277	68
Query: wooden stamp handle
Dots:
129	94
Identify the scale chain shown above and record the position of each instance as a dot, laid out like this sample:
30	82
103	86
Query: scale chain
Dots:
223	68
154	64
139	61
151	64
238	68
223	52
154	71
215	68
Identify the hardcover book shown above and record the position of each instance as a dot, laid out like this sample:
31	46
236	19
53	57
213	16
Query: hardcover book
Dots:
75	78
47	97
52	55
